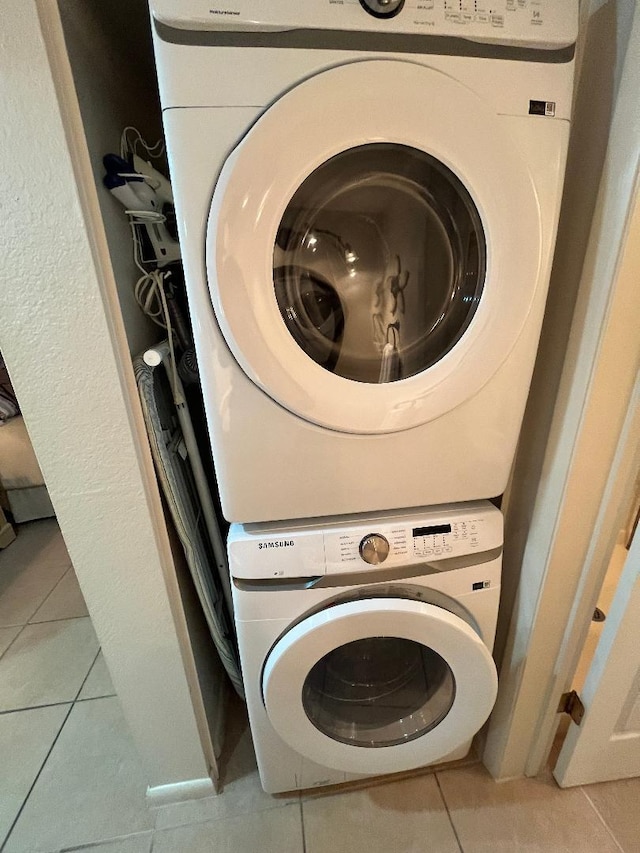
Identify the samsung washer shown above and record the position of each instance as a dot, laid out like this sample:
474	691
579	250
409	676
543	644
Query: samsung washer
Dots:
366	642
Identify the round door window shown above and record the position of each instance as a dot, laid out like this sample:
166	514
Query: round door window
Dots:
378	691
379	263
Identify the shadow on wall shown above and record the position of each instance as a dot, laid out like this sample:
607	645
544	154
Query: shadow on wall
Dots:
604	47
111	55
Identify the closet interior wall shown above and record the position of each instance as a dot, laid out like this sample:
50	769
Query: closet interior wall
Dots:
111	56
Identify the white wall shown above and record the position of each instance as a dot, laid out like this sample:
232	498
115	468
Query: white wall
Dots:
64	343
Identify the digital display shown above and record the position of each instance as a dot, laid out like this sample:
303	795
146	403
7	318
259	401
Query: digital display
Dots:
430	531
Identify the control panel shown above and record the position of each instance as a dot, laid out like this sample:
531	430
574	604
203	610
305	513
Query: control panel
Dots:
407	543
545	24
375	541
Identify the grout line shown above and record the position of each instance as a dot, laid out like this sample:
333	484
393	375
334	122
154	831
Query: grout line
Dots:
95	845
37	707
602	820
62	701
60	619
35	624
91	698
37	776
22	627
68	568
50	750
50	593
304	840
84	680
446	805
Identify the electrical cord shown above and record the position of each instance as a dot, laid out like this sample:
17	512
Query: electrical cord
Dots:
149	290
141	217
154	184
127	145
149	293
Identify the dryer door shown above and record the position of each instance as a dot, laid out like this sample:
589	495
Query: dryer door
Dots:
374	247
379	685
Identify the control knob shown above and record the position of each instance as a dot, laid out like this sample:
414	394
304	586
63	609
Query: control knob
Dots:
382	8
374	549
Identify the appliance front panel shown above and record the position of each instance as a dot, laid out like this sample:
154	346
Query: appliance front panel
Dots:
532	23
379	542
471	592
379	685
463	455
365	280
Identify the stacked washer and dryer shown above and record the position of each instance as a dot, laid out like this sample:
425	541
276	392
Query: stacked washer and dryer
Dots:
367	195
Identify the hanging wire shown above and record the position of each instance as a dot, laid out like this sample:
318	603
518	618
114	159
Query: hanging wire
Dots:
149	292
126	144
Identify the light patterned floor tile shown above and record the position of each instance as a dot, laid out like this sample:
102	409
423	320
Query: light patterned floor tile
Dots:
65	601
98	683
274	831
47	663
408	816
25	739
91	789
526	814
618	803
39	541
131	844
242	792
29	569
7	636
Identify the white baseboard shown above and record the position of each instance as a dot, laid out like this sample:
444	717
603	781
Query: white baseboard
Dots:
177	792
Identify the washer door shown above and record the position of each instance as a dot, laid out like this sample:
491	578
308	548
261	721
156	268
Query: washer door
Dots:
379	685
373	247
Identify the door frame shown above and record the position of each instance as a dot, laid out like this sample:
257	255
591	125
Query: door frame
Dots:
614	672
586	472
612	512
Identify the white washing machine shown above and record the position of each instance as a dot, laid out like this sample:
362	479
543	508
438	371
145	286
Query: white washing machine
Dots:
366	642
367	197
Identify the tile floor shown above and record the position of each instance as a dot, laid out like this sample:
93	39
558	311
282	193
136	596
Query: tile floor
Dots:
69	778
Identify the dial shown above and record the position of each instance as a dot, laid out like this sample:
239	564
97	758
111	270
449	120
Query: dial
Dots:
374	549
382	8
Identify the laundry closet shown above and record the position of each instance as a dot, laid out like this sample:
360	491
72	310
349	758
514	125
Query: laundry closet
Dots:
111	57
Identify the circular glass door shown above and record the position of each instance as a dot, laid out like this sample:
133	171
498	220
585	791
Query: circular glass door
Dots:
379	263
371	263
378	685
380	691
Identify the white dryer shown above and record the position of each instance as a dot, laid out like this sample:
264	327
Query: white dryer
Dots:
366	642
367	197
